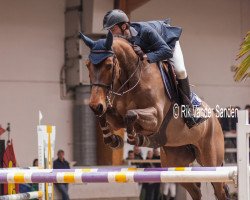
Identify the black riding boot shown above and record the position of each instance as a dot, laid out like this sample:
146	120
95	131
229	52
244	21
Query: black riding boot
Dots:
184	88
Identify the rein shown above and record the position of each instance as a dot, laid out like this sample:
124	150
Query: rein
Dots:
131	76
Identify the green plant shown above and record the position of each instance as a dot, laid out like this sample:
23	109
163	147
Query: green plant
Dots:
242	70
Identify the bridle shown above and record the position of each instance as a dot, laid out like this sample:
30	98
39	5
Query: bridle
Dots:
110	87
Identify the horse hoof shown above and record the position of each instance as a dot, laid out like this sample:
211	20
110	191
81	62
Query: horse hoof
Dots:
139	140
143	141
130	117
116	143
120	142
131	142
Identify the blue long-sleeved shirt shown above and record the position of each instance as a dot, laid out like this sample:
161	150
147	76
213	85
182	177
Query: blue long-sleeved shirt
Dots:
156	39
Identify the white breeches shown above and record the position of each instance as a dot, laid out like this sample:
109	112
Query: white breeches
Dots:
169	187
178	62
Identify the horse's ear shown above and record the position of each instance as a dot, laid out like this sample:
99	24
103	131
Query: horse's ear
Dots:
90	43
109	41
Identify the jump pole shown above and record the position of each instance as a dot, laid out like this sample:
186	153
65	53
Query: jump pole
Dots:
79	176
223	174
243	133
119	169
23	196
46	146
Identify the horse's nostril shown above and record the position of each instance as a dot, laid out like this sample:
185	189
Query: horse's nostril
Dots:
99	108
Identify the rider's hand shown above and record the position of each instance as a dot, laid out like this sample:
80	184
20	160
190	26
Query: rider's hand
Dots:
145	57
139	52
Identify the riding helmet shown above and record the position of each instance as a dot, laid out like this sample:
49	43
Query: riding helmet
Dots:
114	17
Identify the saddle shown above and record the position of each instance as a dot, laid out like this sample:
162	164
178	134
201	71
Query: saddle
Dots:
171	84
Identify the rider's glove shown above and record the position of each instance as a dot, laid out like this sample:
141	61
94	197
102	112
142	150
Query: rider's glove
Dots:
139	51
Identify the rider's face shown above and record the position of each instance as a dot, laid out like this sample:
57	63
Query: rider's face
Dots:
116	30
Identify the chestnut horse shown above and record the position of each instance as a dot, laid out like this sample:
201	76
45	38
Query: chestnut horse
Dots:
129	93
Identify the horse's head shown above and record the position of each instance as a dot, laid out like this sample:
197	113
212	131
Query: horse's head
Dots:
101	66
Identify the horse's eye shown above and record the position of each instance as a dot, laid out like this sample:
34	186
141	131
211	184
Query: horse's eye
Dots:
109	66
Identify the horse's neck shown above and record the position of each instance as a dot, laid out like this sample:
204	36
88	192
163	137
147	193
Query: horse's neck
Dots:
128	70
127	64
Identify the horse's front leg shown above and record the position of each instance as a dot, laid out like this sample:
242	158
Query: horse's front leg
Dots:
110	139
144	121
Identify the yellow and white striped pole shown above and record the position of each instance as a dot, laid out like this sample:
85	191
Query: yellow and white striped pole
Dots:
23	196
46	146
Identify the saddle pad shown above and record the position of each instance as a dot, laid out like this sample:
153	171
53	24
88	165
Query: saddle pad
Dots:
171	91
195	100
167	83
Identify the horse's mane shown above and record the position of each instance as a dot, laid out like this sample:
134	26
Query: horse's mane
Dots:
120	40
121	45
121	36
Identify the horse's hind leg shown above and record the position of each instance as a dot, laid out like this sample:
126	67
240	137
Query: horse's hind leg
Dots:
221	191
181	157
211	153
193	189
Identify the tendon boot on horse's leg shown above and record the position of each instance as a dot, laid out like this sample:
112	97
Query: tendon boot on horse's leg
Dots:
113	141
144	117
190	119
110	139
136	139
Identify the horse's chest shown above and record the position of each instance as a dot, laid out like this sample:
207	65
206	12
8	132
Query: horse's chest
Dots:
122	107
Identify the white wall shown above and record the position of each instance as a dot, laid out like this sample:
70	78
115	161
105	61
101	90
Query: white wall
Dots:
212	33
31	56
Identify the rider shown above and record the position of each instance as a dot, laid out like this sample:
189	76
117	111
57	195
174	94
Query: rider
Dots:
154	41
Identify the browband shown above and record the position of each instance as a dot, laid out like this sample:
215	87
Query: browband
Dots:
102	51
